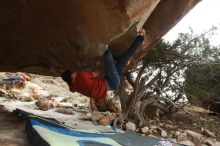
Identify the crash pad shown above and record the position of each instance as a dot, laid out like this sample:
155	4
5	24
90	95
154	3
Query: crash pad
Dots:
49	132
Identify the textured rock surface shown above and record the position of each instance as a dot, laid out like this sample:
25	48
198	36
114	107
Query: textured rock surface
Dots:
46	36
130	126
145	129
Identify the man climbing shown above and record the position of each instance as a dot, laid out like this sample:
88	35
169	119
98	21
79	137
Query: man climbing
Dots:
90	84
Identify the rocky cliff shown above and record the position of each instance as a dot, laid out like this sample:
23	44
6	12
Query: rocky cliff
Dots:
47	36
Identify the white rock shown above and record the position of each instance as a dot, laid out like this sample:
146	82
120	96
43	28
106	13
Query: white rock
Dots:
211	142
96	116
217	143
177	133
169	135
172	132
65	110
208	133
3	93
163	133
30	90
145	129
187	143
150	132
153	127
170	122
130	126
182	137
107	113
44	104
194	135
168	126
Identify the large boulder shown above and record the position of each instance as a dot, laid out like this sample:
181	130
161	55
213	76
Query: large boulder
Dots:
47	36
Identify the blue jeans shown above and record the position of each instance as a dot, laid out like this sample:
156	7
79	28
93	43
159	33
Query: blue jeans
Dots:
114	70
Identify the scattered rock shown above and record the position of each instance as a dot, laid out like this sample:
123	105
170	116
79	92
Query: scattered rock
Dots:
114	105
65	110
153	127
194	135
107	113
145	129
172	127
163	133
169	135
194	124
138	130
156	131
211	142
169	121
150	132
157	113
217	143
182	137
156	119
44	104
208	133
96	116
106	120
172	132
3	93
177	133
195	109
187	143
161	124
27	99
130	126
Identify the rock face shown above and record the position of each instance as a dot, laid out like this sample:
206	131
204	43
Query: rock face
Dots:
130	126
47	36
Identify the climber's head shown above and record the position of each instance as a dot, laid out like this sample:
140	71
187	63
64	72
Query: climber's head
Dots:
68	76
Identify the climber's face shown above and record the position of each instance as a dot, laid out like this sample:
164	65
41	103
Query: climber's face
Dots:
73	76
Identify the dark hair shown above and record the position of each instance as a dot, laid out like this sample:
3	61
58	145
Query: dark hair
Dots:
66	76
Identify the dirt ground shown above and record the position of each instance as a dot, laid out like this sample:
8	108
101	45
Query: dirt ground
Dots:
196	123
210	122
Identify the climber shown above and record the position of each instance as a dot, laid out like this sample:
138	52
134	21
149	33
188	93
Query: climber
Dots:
91	84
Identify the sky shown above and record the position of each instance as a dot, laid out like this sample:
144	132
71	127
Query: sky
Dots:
201	18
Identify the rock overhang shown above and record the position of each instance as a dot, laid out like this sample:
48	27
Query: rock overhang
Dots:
47	36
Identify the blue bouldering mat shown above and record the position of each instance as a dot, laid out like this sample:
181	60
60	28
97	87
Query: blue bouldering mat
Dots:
49	132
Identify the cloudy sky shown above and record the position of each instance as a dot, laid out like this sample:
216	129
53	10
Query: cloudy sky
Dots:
202	17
